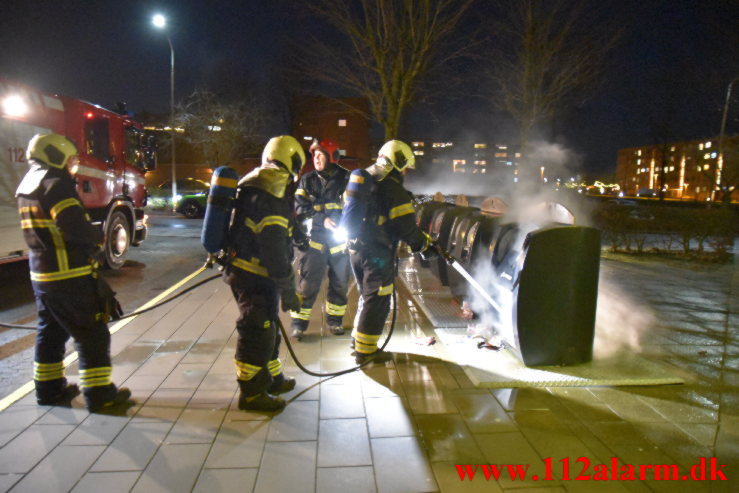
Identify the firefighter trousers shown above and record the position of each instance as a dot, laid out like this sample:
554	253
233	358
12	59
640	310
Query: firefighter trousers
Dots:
70	308
374	271
258	343
311	266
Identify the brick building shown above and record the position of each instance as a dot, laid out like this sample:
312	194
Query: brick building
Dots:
685	170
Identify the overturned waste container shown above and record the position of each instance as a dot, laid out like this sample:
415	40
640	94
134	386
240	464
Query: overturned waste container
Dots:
441	231
553	272
424	220
473	243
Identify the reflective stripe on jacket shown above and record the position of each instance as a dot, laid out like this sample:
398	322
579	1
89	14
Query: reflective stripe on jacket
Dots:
57	229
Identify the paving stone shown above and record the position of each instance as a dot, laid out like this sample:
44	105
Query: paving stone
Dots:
31	446
343	442
174	468
109	482
60	470
287	466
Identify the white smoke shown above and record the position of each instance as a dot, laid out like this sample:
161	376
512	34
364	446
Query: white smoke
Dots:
619	320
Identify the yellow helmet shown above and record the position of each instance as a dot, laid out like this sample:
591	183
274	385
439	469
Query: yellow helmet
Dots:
51	149
399	154
287	151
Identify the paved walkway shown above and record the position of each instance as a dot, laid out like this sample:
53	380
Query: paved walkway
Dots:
401	427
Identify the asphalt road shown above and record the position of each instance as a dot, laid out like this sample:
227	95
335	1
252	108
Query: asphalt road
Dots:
171	252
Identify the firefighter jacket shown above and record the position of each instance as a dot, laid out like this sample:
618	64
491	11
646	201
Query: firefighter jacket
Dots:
391	216
319	196
56	226
260	232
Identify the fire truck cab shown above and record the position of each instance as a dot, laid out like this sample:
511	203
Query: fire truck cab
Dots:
114	155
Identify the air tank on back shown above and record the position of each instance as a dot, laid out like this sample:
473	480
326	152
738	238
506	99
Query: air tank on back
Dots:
218	209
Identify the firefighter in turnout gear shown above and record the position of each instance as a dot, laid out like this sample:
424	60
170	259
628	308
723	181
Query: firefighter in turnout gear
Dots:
318	201
389	218
260	274
62	244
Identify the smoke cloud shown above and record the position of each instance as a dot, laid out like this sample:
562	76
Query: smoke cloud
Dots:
533	204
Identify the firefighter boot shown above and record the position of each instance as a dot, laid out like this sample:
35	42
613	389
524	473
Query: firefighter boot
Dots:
281	384
60	395
378	356
261	402
299	327
108	399
254	395
336	330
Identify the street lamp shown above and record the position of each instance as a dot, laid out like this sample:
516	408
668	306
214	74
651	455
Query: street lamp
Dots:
160	22
720	163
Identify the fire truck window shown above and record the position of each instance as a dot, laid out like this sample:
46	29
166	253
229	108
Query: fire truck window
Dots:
134	156
96	138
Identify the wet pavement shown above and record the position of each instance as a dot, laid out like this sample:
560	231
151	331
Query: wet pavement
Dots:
406	425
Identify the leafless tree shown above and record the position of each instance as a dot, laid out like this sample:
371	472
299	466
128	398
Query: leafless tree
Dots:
386	49
545	53
221	131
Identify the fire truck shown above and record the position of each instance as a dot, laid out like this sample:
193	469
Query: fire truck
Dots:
114	155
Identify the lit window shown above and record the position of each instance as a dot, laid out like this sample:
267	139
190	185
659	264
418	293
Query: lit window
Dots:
706	166
713	155
459	161
672	168
508	163
417	144
418	153
481	146
483	170
342	122
708	144
638	161
501	154
700	146
501	147
518	154
638	153
672	149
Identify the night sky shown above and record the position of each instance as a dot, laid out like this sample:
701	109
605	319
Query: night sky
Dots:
677	58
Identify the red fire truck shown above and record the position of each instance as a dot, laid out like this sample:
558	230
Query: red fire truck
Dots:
114	155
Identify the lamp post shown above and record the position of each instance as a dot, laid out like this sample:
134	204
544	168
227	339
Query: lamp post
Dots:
720	163
160	22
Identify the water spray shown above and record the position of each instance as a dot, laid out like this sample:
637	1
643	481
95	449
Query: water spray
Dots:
453	262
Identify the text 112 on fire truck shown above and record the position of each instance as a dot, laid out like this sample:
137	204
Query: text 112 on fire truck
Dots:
114	155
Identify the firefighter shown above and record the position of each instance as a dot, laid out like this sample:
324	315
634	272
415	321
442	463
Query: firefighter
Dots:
318	200
389	218
260	274
62	245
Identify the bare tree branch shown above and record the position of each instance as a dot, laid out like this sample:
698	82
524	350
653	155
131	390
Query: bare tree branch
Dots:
221	131
546	52
389	46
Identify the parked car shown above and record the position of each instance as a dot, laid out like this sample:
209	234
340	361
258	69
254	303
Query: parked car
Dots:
190	200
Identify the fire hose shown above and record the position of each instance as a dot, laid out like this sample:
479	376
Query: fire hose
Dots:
137	312
279	324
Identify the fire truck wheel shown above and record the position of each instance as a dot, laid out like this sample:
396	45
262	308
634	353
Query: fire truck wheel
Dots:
117	240
191	209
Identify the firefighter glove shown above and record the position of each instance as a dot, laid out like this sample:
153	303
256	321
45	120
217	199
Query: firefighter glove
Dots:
110	308
291	301
430	252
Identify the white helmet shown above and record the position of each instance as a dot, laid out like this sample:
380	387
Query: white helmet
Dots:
399	154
